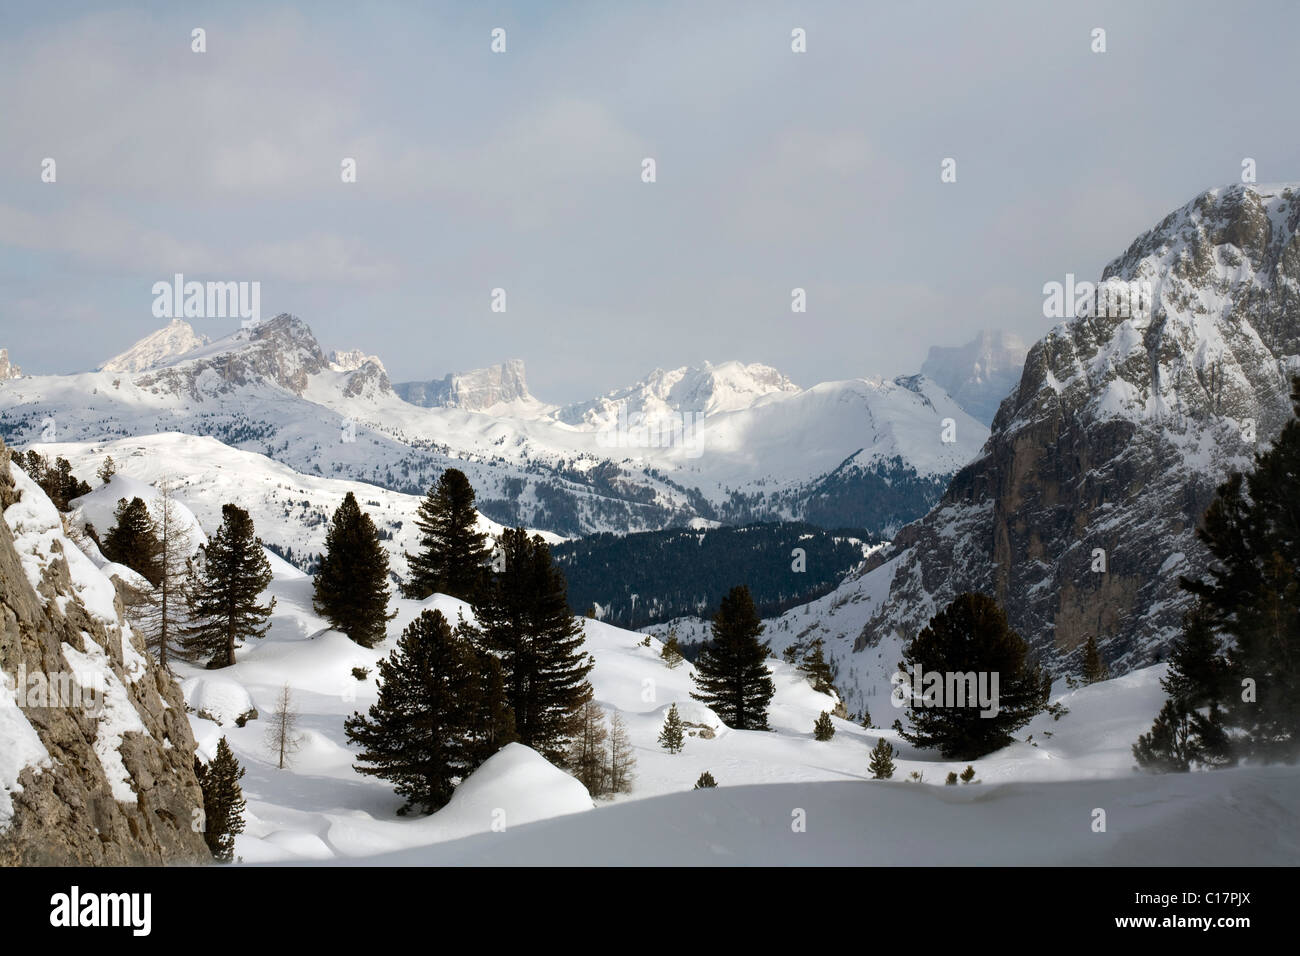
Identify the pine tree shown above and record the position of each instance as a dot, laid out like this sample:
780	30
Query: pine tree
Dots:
524	619
823	729
107	470
1094	667
951	781
159	614
731	672
1180	738
816	669
969	638
586	756
453	554
226	581
705	781
133	540
1197	671
223	802
882	760
1252	597
672	738
672	650
350	588
866	718
968	774
438	717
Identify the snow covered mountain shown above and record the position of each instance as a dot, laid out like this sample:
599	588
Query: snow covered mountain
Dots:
723	443
979	374
476	391
157	348
8	370
728	387
1079	512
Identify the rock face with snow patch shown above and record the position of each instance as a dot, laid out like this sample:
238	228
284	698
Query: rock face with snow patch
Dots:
472	391
1114	441
7	369
97	762
157	348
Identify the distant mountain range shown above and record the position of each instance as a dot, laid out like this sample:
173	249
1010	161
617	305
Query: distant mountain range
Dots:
725	443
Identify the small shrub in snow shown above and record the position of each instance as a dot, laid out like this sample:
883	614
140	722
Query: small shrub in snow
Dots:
706	780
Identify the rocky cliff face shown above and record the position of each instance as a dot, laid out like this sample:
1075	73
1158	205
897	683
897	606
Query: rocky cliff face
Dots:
7	369
1079	514
473	391
280	351
96	753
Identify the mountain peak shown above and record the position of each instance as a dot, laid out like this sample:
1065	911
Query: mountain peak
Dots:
474	391
157	348
979	374
7	369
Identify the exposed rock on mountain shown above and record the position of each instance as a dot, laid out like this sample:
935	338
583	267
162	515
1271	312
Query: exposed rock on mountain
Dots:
96	753
157	348
1109	450
281	351
472	391
979	374
8	370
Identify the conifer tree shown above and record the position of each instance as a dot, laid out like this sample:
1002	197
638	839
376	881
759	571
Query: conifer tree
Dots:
1181	737
881	764
816	669
672	650
705	781
453	553
231	573
160	613
866	718
438	717
951	781
1094	667
823	728
971	637
1197	671
731	672
107	470
524	619
1252	597
223	802
968	774
350	588
672	738
133	540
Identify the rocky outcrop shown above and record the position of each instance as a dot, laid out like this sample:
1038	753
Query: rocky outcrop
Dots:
979	374
1079	515
7	369
280	351
473	391
99	769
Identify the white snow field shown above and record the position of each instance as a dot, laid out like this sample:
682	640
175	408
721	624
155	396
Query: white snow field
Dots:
782	796
1034	802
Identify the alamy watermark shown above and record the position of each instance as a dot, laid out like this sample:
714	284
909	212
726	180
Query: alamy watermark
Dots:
1112	299
179	299
946	689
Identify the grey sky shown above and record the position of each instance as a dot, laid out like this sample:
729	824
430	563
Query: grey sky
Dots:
522	170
